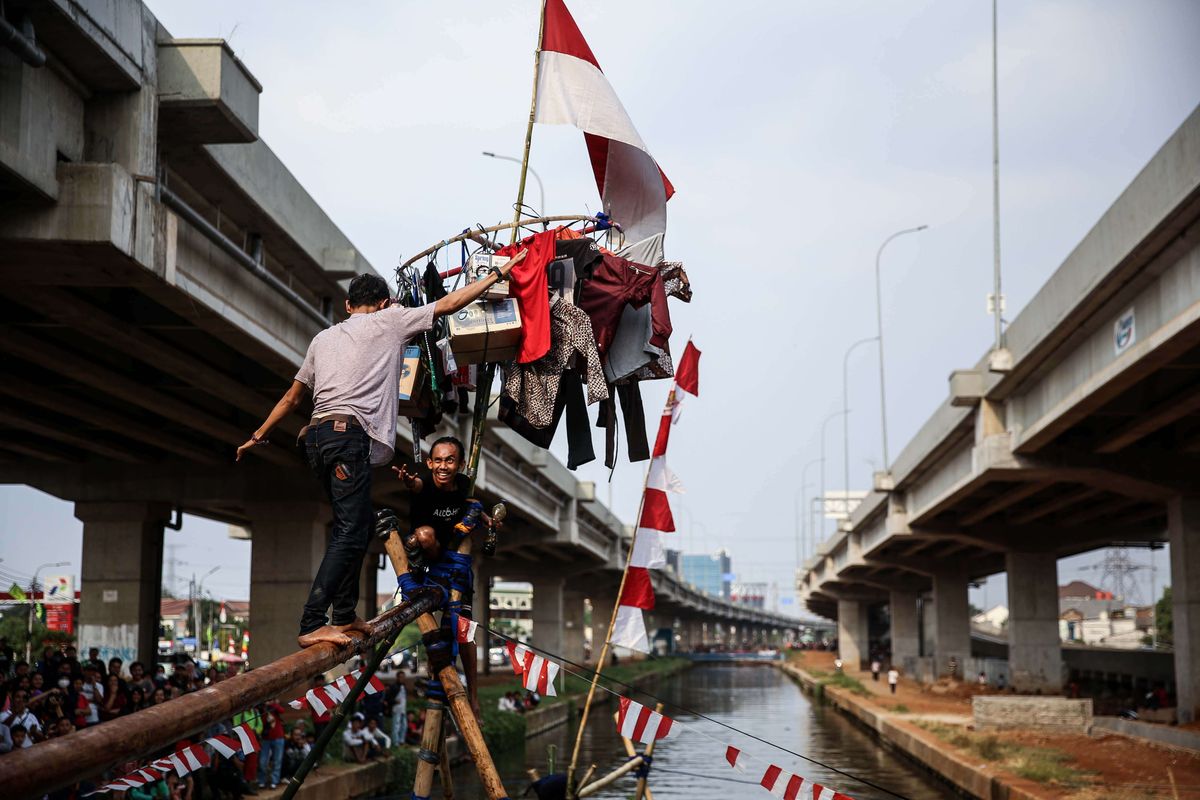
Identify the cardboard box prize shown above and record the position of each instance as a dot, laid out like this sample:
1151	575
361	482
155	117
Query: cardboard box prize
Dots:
485	331
481	263
413	388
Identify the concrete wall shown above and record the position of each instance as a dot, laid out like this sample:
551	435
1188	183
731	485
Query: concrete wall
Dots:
998	712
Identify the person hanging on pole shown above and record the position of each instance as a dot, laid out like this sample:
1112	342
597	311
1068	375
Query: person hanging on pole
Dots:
353	370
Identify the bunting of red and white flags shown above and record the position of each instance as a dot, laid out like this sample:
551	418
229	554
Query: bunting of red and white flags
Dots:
641	724
649	552
325	698
793	787
538	672
185	760
466	630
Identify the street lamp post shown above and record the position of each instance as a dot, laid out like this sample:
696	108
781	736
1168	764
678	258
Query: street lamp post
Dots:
824	427
879	335
33	602
541	188
846	414
197	588
804	483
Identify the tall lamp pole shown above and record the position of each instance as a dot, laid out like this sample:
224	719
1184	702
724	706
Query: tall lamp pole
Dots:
33	584
824	427
536	177
879	335
804	483
846	414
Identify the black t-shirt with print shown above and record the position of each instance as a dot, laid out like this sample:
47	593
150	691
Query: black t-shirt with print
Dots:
440	510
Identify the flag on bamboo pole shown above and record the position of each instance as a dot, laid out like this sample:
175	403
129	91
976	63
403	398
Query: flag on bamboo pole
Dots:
572	90
641	724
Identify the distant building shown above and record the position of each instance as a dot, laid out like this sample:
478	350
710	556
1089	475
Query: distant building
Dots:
1088	615
994	620
749	594
709	574
511	609
1081	590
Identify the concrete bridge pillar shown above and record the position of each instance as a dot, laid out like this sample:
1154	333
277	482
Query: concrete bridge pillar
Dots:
1183	526
853	642
906	641
121	579
1034	650
368	586
951	623
481	610
549	615
572	624
286	547
603	602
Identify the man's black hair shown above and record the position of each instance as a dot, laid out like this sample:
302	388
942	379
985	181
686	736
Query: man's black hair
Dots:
462	451
367	290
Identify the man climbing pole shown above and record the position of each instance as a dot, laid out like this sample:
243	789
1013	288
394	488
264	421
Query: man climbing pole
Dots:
440	506
353	371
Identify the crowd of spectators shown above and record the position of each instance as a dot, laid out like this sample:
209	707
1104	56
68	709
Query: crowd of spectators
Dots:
514	702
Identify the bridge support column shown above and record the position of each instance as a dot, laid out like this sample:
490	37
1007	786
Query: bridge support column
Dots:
906	638
1034	651
121	579
368	587
951	623
1183	526
482	610
286	548
548	615
572	625
853	644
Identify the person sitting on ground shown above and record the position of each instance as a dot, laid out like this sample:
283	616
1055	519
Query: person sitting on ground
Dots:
381	740
352	369
532	699
354	741
294	750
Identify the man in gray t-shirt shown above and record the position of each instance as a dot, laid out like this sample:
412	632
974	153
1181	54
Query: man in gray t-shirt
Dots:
353	372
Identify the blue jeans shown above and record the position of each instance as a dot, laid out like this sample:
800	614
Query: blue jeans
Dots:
341	461
272	753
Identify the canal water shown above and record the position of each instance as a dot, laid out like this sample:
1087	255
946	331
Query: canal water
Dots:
758	699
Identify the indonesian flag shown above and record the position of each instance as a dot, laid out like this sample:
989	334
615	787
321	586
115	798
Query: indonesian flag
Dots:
572	90
466	630
793	787
736	758
325	698
538	672
641	724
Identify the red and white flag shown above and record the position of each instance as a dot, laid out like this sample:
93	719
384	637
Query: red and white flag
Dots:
736	758
572	90
641	724
466	630
325	698
538	672
793	787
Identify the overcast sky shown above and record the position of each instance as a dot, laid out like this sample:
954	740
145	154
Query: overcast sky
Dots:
798	135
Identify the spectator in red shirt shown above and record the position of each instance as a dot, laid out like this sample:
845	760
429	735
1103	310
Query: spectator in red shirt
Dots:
270	761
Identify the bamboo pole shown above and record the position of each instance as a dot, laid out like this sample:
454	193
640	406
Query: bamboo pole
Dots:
629	751
444	767
611	777
537	69
36	771
643	793
587	705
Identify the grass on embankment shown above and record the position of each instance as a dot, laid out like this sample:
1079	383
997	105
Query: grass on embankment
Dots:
1045	765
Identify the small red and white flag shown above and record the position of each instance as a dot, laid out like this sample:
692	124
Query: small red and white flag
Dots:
538	672
325	698
641	724
572	90
466	630
793	787
736	758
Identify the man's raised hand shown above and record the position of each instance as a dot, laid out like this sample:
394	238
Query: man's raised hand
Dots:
409	479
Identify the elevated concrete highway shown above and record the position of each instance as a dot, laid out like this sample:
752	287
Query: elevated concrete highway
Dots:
163	273
1091	439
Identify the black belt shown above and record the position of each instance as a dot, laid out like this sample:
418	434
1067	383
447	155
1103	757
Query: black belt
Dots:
348	420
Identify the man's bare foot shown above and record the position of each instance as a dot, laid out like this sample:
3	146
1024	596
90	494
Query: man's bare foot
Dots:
326	633
357	626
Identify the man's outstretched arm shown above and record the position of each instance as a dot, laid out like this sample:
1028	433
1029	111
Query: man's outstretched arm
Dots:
462	297
287	404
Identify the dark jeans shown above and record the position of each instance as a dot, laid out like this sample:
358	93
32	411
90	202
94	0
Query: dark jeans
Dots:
341	460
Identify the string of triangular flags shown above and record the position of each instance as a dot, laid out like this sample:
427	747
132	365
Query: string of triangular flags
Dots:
655	520
644	725
185	760
241	740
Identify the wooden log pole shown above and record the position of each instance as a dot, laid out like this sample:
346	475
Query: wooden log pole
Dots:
35	771
611	777
444	766
630	751
642	792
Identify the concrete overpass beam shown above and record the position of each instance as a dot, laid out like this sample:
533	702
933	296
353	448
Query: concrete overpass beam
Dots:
906	642
1034	650
286	548
1183	527
951	623
853	643
572	624
549	615
121	578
